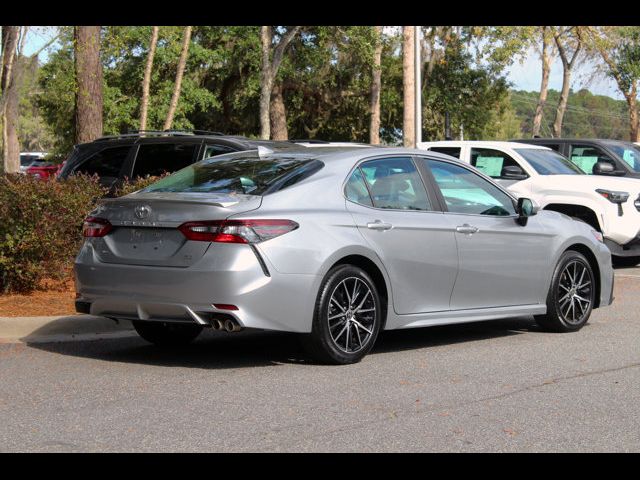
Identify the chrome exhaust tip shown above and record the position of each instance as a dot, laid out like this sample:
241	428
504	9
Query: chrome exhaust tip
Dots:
231	326
217	324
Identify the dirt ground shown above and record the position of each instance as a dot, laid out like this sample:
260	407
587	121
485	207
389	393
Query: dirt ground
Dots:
55	298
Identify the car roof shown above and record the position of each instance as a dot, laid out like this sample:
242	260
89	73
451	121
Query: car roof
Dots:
572	140
183	137
480	143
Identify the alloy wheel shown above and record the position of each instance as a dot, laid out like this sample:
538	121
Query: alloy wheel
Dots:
575	292
351	315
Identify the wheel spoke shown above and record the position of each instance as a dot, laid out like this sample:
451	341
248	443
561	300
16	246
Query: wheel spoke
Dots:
585	300
363	300
355	292
335	302
346	346
341	332
365	310
358	324
337	316
359	339
584	270
344	284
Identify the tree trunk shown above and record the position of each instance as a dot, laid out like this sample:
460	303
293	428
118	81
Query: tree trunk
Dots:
269	71
89	84
376	85
567	67
146	81
408	86
278	115
10	121
544	84
266	83
633	113
562	103
9	43
179	73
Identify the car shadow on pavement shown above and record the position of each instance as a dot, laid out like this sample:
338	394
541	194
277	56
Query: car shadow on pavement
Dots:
221	350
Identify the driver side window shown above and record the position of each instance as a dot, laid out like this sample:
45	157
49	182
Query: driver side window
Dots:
493	162
586	156
467	193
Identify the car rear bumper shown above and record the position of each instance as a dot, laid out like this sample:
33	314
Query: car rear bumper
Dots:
230	274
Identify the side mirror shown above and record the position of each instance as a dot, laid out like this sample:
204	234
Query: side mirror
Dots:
602	167
525	209
513	172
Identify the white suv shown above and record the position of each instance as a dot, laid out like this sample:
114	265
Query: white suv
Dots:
611	205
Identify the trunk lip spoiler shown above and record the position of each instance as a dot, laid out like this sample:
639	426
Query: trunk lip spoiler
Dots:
204	200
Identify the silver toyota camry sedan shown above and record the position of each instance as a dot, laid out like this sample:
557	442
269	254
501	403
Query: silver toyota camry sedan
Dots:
336	244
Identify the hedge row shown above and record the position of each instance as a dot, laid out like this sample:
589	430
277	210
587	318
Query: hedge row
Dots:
41	226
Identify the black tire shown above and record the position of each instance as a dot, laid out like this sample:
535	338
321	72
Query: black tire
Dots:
324	343
167	334
567	308
625	261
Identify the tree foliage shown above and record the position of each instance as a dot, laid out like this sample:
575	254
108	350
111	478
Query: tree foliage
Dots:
325	79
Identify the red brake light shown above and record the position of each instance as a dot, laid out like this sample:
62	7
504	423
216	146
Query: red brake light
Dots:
96	227
236	231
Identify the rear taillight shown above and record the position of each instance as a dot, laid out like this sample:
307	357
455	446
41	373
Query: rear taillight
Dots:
96	227
236	231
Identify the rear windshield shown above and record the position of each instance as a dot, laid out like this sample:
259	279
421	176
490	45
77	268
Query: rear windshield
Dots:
548	162
246	174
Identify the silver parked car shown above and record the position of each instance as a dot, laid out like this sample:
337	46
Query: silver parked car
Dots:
336	244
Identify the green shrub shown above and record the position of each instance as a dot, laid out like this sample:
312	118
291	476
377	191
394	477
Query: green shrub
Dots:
131	186
40	227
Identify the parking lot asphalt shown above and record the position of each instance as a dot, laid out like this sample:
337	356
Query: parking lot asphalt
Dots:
500	386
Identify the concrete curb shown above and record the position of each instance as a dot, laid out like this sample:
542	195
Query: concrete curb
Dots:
61	329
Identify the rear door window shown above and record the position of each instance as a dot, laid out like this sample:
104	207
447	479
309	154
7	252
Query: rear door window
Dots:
396	184
356	189
492	162
106	163
155	159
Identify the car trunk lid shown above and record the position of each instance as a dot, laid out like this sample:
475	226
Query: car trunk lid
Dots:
145	225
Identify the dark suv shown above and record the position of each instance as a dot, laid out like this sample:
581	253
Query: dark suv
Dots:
596	156
139	154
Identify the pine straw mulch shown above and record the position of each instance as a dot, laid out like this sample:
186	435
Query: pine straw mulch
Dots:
53	297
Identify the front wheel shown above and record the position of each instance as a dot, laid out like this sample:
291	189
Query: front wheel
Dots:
167	334
571	294
347	317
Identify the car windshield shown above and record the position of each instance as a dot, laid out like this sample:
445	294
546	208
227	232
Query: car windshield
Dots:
548	162
629	153
244	174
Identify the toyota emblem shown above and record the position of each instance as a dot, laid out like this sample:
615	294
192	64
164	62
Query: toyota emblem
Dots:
142	211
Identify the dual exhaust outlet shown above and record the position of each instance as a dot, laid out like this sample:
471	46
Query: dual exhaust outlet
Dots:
226	324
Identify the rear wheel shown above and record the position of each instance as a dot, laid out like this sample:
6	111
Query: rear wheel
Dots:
347	317
571	294
167	334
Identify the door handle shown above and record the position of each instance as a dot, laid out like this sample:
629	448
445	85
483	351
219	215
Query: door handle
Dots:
466	228
378	225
